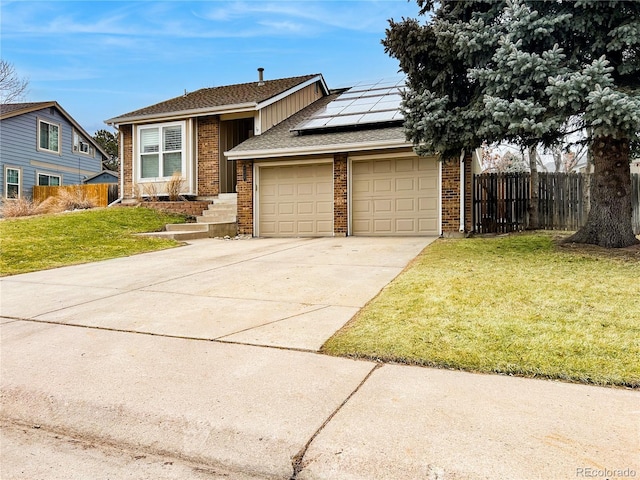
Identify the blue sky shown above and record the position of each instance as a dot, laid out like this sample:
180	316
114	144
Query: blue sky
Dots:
102	59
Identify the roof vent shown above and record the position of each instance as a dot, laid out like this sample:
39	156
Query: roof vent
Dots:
260	76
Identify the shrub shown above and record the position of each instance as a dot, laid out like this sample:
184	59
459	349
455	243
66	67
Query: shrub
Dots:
151	191
18	207
174	186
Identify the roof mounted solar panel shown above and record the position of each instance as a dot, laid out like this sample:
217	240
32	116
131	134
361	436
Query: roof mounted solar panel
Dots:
366	103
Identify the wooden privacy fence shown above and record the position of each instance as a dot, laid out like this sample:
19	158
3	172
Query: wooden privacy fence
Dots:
102	193
501	201
635	199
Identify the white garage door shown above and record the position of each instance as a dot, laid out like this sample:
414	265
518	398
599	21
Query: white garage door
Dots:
395	197
296	200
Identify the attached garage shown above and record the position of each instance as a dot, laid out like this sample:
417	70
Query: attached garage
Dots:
295	200
395	196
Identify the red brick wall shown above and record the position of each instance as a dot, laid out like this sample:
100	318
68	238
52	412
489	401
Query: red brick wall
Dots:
208	156
127	160
194	208
340	209
451	195
244	171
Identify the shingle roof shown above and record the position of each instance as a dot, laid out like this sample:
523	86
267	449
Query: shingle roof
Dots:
204	98
11	109
281	138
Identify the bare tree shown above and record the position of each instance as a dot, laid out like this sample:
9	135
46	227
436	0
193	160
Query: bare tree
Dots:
12	87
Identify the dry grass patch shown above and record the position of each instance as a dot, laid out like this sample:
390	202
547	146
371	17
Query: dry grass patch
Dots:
518	305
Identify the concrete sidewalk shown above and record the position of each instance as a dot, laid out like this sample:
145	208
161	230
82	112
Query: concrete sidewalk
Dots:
202	358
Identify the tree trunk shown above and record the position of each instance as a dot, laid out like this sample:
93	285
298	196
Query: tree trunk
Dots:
609	220
534	216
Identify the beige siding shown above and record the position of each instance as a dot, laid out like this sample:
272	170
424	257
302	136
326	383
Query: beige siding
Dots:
295	200
395	196
283	109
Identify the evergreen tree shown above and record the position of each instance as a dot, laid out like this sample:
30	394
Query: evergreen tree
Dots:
529	72
109	143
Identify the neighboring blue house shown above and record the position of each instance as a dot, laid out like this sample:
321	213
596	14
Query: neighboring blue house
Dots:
41	144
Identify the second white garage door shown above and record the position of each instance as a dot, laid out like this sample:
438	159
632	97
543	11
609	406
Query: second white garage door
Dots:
296	200
395	196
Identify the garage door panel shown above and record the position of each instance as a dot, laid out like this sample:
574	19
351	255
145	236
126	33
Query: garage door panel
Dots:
383	225
361	206
405	165
325	208
382	186
405	205
405	225
405	184
395	197
382	205
361	186
295	200
305	208
382	166
324	188
428	183
286	190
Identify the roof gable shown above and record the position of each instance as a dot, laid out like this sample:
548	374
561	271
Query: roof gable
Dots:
218	99
9	110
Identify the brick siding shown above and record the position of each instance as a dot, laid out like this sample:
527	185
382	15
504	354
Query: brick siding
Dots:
208	156
340	201
127	161
194	208
244	172
451	196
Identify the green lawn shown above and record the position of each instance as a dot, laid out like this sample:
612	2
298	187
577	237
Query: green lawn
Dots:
518	305
49	241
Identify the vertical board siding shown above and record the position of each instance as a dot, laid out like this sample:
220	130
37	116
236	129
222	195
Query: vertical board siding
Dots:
283	109
501	201
101	193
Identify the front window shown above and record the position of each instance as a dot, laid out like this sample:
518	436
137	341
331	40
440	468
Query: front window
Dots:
81	145
12	182
48	136
161	150
46	180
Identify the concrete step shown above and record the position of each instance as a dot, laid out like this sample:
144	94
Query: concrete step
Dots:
226	198
191	231
221	207
187	227
182	236
217	218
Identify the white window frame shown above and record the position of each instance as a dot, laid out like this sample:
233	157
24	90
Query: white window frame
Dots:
48	122
6	182
81	145
183	151
59	177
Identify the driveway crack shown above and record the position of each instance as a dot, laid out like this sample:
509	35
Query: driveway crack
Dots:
297	461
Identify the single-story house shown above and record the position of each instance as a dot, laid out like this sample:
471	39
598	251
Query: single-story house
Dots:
43	145
303	160
105	176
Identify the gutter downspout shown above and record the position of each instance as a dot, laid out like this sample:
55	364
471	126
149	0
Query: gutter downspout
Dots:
462	192
120	147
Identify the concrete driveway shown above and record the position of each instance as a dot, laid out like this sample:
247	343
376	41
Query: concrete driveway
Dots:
199	362
292	293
